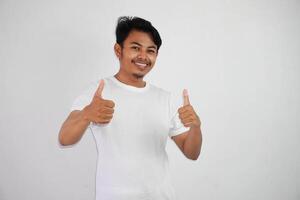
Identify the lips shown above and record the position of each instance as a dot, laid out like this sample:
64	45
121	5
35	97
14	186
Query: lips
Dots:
141	65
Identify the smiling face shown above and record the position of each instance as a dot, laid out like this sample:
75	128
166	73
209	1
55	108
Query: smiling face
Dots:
137	56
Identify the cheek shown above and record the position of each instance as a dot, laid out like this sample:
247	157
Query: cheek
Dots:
129	57
152	59
125	58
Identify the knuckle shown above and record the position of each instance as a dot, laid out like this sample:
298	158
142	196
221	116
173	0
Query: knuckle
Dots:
113	104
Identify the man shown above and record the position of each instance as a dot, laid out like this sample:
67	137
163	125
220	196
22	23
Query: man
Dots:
131	121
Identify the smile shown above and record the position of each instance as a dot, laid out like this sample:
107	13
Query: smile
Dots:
140	65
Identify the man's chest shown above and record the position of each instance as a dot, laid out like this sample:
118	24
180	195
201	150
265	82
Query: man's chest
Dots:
138	113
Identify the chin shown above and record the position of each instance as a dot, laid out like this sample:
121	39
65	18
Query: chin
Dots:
138	76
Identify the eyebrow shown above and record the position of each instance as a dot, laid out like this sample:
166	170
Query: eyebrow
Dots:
141	45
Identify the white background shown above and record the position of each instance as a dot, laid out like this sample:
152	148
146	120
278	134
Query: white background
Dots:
238	59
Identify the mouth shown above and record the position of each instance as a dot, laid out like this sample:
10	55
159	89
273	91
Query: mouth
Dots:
140	65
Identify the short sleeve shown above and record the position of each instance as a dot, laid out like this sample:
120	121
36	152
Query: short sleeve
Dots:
85	97
176	126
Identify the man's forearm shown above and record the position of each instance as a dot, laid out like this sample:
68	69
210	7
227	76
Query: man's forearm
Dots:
73	128
193	142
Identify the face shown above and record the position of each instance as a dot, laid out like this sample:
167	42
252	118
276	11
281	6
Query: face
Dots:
137	56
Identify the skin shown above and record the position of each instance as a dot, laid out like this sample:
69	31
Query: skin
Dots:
138	47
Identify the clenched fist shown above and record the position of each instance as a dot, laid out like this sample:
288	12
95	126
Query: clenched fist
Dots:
187	114
99	110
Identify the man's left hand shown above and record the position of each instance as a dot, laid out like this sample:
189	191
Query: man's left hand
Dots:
187	114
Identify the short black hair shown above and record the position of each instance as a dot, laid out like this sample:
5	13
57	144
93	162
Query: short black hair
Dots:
126	24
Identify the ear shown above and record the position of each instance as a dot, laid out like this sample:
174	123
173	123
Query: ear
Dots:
118	50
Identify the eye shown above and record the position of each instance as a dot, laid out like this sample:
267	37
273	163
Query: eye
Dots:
135	48
151	51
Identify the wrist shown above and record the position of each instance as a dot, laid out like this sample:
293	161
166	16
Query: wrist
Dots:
196	127
84	115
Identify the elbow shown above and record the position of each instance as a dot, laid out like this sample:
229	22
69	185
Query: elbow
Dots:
64	143
194	158
62	140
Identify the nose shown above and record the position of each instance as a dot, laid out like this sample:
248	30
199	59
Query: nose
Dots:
142	54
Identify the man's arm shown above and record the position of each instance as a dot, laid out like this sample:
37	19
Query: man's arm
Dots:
73	128
190	142
98	111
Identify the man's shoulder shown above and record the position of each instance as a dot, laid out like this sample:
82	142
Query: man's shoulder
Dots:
95	82
89	88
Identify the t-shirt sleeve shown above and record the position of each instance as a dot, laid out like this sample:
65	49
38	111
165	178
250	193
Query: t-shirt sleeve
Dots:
85	97
176	126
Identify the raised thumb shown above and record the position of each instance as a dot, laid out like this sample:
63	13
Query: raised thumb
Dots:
99	90
186	100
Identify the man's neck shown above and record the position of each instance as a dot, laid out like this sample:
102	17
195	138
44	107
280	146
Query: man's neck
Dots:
130	80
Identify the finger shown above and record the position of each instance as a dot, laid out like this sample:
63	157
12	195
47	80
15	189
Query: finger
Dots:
99	90
186	100
109	103
184	109
102	121
107	110
187	120
188	124
185	115
107	116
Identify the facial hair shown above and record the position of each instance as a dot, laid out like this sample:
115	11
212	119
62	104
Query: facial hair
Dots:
138	76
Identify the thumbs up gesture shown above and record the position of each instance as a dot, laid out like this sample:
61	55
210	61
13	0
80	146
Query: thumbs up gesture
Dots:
99	110
187	114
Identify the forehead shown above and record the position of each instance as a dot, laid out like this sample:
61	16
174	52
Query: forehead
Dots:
140	37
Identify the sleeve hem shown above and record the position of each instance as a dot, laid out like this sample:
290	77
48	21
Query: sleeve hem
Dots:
178	131
75	108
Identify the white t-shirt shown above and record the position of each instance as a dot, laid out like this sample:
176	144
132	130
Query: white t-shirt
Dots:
132	161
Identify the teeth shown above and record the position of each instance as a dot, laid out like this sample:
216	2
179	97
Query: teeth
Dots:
141	64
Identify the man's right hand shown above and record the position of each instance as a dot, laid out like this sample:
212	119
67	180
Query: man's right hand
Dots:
99	110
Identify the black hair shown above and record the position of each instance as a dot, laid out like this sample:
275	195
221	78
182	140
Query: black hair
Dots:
126	24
